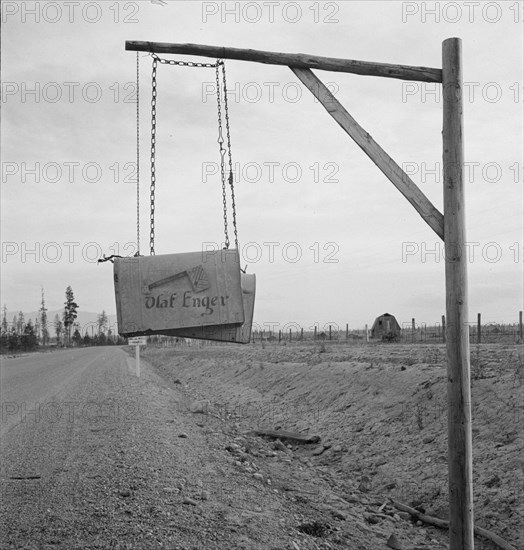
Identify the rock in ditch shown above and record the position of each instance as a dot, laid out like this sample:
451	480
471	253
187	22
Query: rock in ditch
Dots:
365	484
393	542
199	407
279	446
338	514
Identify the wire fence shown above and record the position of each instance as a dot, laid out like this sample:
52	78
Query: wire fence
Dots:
406	333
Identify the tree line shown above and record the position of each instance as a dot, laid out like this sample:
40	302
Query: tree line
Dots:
63	331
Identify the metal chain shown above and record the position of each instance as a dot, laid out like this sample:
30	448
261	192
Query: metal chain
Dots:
222	156
137	154
184	63
230	155
153	159
216	65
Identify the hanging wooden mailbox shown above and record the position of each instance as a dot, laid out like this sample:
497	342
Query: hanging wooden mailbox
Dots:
222	333
158	294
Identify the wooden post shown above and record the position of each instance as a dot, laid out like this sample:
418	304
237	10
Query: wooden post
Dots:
412	330
301	334
315	334
520	326
460	468
347	332
330	332
290	335
367	334
479	328
444	329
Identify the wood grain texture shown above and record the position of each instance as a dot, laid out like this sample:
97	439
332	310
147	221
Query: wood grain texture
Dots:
368	68
457	330
373	150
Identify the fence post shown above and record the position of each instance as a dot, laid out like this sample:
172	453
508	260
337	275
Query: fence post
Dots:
301	334
347	332
479	328
290	335
520	326
330	332
412	330
315	335
367	334
444	329
279	336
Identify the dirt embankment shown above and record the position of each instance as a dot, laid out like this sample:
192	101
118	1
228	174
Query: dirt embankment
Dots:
382	415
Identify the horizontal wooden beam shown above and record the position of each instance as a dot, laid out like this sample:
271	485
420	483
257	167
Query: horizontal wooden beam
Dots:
304	61
374	151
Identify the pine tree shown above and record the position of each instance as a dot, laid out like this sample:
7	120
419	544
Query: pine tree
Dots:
28	338
102	322
20	324
37	329
77	337
4	334
70	313
4	320
59	328
43	321
13	339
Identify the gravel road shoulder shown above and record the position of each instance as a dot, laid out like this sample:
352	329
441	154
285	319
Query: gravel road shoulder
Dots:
121	462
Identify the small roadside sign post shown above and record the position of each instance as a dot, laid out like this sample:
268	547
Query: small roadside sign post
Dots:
137	342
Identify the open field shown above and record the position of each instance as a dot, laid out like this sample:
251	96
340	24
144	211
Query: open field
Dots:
381	413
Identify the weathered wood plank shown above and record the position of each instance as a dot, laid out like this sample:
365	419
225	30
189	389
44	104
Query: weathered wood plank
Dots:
460	468
368	68
373	150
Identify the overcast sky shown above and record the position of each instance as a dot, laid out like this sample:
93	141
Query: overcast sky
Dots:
346	246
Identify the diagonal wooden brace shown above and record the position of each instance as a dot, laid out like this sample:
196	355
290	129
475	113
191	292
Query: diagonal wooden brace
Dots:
373	150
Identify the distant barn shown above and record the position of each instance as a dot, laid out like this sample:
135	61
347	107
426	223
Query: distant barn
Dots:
385	327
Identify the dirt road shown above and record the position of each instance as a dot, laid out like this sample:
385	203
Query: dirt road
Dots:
93	457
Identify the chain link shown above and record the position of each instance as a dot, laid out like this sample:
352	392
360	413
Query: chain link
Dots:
222	155
184	63
153	158
137	154
230	155
221	142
